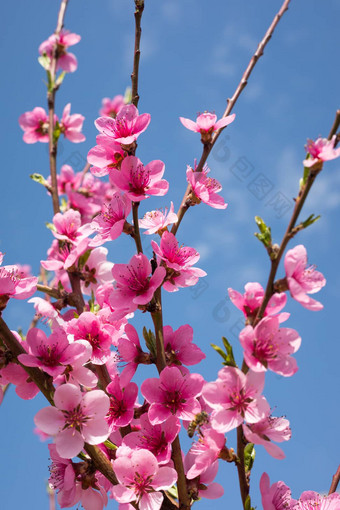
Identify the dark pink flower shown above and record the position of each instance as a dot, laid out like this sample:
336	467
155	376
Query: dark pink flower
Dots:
76	417
139	181
25	388
173	394
205	188
110	107
266	430
206	124
176	257
301	279
267	346
251	300
235	397
127	125
71	125
321	150
276	496
35	125
65	60
122	402
105	156
179	347
109	223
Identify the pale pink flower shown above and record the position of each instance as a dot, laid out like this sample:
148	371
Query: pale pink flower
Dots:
205	188
15	374
68	227
179	347
251	300
173	394
204	452
62	478
96	271
35	125
139	181
71	125
276	496
122	402
156	438
110	107
235	397
127	125
141	479
206	123
52	354
109	223
267	346
301	279
157	221
310	500
184	278
14	284
105	156
203	486
321	150
76	417
134	286
266	430
65	60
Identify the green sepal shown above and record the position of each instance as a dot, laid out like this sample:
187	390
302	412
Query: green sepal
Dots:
60	79
249	457
173	492
110	445
128	95
265	234
50	226
150	341
44	61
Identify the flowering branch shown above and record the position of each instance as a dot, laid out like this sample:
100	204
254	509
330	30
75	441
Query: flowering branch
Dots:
138	32
207	146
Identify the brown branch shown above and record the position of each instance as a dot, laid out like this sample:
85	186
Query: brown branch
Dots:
335	126
243	482
138	32
231	103
136	233
335	481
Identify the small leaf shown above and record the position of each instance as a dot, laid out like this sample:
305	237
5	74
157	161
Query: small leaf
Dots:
60	79
128	95
230	354
50	226
310	220
265	235
249	457
219	351
150	341
44	61
38	178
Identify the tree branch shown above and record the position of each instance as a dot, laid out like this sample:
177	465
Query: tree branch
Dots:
138	32
335	481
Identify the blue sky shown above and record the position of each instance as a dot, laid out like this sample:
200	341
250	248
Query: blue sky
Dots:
193	55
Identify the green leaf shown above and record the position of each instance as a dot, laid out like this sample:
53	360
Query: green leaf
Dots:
230	354
150	341
60	78
38	178
310	220
128	95
50	226
219	351
249	456
265	235
173	492
44	61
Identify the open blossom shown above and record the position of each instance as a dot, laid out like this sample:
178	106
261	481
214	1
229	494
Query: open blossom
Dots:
77	417
14	284
276	496
35	125
303	279
310	500
139	181
127	125
105	156
134	286
157	221
109	223
122	401
179	347
266	430
251	300
267	346
71	125
110	107
65	60
141	479
321	150
96	271
204	452
205	188
62	478
202	486
206	124
130	352
68	227
235	397
173	394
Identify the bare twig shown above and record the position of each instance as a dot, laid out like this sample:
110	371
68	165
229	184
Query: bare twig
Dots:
138	32
335	481
136	234
231	103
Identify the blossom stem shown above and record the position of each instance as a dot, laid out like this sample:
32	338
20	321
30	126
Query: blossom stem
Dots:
138	32
231	103
136	235
335	481
243	482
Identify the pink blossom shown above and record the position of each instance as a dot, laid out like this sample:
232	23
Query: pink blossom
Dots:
276	496
310	500
156	438
96	271
35	125
202	486
205	188
14	284
173	394
134	286
131	352
266	430
141	479
184	278
127	125
157	221
110	107
68	227
25	388
65	60
122	402
206	123
251	300
109	223
205	452
179	347
301	279
105	156
52	354
71	125
62	478
139	181
235	397
267	346
176	257
63	257
77	417
321	150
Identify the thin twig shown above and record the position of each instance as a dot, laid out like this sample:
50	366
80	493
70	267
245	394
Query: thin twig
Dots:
138	32
231	103
136	234
335	481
